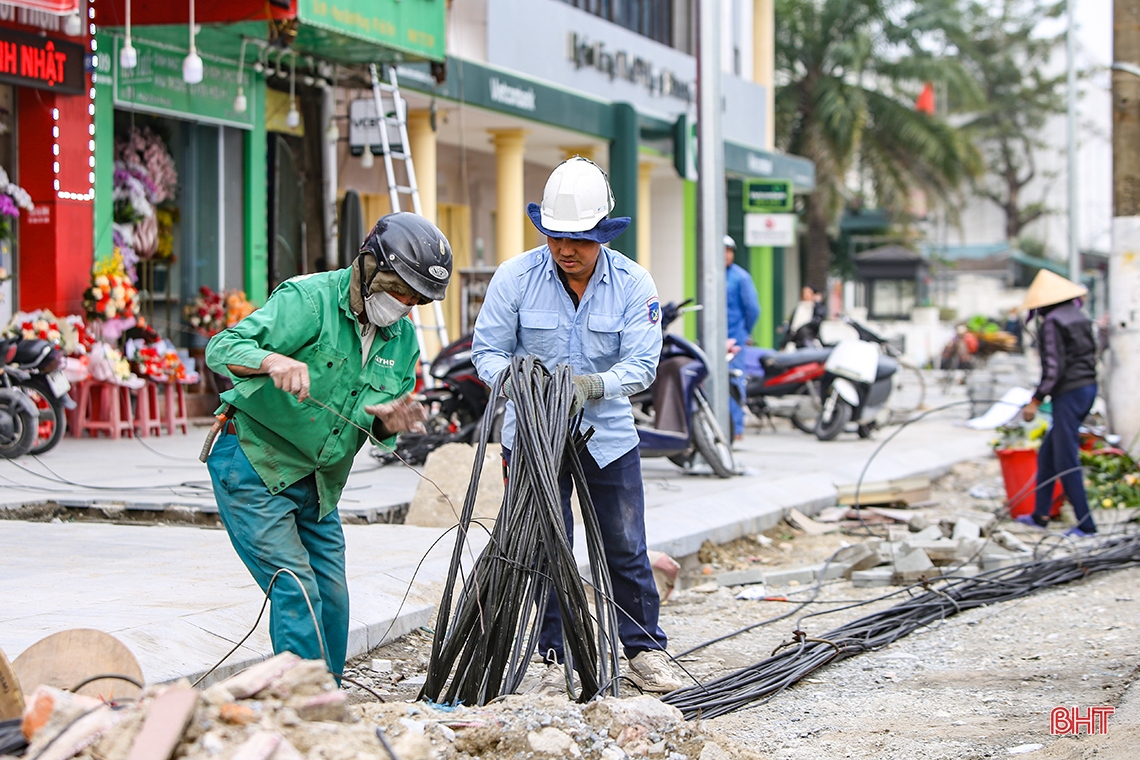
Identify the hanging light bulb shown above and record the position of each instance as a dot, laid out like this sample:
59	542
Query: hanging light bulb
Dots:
332	134
240	102
366	160
192	67
293	117
73	25
128	56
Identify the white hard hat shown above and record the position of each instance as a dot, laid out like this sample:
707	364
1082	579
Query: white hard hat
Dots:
577	196
729	242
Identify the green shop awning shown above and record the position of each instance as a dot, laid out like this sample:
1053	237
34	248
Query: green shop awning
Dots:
1033	262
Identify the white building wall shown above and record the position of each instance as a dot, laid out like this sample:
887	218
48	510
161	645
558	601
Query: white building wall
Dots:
667	237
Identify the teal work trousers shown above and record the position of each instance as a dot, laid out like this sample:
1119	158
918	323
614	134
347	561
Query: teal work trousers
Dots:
275	531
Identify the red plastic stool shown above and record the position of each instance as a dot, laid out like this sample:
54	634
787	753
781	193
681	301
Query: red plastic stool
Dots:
175	407
147	412
103	408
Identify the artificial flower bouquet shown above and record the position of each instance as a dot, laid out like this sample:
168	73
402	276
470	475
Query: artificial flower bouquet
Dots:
158	362
238	307
12	199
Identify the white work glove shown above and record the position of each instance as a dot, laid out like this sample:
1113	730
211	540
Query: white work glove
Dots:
288	374
586	388
403	415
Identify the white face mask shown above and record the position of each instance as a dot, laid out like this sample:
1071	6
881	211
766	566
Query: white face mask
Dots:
384	310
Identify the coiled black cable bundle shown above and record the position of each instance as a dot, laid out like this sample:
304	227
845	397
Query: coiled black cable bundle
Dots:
482	650
794	660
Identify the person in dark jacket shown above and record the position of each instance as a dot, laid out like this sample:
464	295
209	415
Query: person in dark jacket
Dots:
1066	342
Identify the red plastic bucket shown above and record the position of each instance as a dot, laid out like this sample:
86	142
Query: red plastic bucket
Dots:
1019	471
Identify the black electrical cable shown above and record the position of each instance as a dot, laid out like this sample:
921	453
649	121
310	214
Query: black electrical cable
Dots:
763	681
482	649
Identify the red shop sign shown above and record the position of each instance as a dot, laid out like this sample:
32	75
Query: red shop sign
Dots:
41	62
57	7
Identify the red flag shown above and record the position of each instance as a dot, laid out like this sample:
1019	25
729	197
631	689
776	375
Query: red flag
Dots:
925	101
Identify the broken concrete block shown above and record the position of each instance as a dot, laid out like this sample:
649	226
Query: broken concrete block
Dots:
940	552
799	520
984	520
642	710
971	548
965	529
286	751
741	577
932	533
831	514
332	705
1007	540
962	571
993	561
665	573
912	566
306	678
830	572
381	666
165	722
77	736
873	578
260	746
50	710
252	680
801	575
918	522
857	557
553	742
898	533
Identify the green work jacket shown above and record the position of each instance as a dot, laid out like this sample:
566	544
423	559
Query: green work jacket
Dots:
308	318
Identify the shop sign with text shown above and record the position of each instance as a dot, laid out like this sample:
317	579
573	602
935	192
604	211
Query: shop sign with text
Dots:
768	195
44	63
156	84
775	230
415	26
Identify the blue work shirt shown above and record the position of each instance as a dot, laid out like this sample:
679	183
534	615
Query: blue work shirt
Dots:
741	303
615	332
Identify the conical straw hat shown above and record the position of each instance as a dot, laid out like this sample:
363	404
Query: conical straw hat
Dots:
1048	288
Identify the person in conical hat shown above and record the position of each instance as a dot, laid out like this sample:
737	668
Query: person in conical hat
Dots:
1067	345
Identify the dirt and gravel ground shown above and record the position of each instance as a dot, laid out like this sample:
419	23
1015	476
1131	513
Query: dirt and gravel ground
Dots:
979	685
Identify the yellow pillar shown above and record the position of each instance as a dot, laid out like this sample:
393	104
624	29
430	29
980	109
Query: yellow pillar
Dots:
644	208
510	214
585	151
764	61
423	146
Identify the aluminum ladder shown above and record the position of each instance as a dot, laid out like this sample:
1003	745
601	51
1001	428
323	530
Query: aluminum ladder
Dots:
396	118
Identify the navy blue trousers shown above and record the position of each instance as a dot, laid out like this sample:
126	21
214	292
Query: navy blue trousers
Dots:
1060	453
619	500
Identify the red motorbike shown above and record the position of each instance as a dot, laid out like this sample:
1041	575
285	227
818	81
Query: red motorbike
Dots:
783	384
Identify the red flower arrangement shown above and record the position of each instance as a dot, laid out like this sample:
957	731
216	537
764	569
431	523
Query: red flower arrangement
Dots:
207	313
111	295
160	366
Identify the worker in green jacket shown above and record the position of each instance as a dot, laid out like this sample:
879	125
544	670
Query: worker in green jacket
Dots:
327	358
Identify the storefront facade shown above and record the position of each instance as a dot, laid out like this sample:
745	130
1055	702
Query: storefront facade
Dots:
532	82
46	112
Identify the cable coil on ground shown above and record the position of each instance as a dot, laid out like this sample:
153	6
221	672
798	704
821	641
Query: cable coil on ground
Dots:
763	681
482	651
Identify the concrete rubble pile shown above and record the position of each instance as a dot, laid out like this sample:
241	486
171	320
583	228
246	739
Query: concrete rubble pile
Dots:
959	546
287	708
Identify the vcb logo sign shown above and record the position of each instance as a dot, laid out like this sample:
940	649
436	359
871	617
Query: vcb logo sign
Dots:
1068	721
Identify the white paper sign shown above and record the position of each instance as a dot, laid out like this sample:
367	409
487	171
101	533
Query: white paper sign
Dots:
777	230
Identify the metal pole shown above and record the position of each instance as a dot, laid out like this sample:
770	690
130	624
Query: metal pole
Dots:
1124	263
711	222
329	179
1071	97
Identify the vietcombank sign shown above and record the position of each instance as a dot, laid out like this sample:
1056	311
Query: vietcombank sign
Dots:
411	26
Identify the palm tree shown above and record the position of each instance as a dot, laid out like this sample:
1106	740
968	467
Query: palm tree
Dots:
847	75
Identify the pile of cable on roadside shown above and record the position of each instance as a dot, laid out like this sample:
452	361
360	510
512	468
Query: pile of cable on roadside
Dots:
796	659
481	650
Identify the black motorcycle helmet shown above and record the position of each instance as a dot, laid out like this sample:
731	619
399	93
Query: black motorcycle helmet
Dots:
413	248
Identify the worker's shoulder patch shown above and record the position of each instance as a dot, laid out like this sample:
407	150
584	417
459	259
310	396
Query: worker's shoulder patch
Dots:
654	310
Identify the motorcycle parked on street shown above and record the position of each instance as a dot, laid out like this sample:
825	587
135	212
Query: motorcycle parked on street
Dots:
783	384
18	415
455	407
35	369
857	382
673	416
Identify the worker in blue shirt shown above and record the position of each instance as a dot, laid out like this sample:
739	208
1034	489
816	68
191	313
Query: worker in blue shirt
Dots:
743	308
573	301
